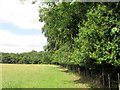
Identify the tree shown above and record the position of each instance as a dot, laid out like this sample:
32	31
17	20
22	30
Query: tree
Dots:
86	32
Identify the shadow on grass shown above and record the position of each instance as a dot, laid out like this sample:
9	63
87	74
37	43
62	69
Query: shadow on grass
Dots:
91	82
82	79
63	69
79	81
66	71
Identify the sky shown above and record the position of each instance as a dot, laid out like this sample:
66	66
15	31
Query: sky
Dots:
20	29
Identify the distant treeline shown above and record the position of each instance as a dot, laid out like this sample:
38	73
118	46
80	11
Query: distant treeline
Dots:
32	57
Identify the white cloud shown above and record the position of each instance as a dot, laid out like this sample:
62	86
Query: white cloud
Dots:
10	42
22	15
25	16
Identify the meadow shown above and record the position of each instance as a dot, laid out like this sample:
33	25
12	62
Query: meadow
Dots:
39	76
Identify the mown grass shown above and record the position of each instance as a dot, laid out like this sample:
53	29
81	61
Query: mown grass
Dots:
38	76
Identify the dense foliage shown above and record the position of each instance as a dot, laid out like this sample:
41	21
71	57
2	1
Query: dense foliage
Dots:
82	33
32	57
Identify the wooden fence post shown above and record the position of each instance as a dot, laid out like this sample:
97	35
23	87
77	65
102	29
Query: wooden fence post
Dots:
79	70
108	81
103	79
118	81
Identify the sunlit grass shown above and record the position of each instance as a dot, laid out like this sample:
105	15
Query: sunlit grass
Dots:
38	76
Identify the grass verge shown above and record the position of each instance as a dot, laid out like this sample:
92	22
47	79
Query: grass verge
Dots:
40	76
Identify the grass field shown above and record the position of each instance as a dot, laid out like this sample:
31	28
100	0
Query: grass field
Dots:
38	76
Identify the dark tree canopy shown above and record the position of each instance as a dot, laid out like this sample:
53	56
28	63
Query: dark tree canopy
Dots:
80	33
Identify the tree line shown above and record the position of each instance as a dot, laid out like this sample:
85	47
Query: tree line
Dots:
32	57
83	35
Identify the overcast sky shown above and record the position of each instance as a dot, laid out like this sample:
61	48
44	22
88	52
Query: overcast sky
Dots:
20	30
